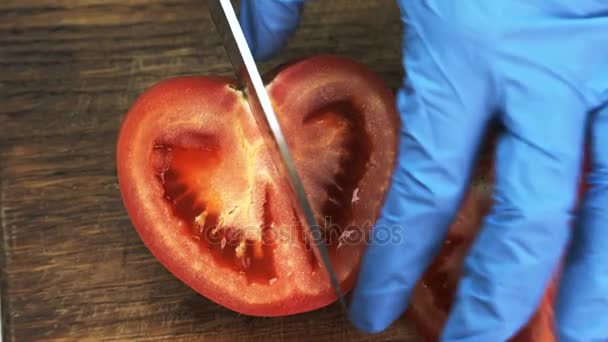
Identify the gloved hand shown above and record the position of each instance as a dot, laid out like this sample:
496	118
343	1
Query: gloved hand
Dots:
544	67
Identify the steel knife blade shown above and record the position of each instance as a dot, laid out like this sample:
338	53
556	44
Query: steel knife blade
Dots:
241	58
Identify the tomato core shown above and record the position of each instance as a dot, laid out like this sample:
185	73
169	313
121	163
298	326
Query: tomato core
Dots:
185	167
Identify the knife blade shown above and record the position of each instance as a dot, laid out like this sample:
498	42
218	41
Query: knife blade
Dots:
241	58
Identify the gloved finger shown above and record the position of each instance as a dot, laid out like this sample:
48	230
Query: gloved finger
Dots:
445	105
522	239
267	24
583	292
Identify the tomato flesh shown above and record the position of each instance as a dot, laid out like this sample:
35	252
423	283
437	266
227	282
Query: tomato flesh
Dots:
201	189
185	174
231	249
351	149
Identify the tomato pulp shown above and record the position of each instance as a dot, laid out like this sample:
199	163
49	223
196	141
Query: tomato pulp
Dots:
202	192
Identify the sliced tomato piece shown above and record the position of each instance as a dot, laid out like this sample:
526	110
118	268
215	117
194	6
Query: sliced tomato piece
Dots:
202	192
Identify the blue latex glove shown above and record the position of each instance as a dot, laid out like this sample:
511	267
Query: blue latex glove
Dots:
543	65
268	23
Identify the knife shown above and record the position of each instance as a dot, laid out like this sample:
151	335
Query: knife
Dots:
247	73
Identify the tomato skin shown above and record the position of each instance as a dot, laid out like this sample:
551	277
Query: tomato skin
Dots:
179	113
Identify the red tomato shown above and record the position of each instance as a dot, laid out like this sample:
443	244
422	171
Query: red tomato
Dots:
202	193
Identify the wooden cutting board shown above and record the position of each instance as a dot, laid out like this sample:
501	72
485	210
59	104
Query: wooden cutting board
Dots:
72	266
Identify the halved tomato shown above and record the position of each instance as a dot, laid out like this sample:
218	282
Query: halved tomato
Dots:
200	188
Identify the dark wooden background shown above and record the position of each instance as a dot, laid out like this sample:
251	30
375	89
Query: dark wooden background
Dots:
72	266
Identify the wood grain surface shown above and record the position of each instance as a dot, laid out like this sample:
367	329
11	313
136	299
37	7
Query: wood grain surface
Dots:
73	268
